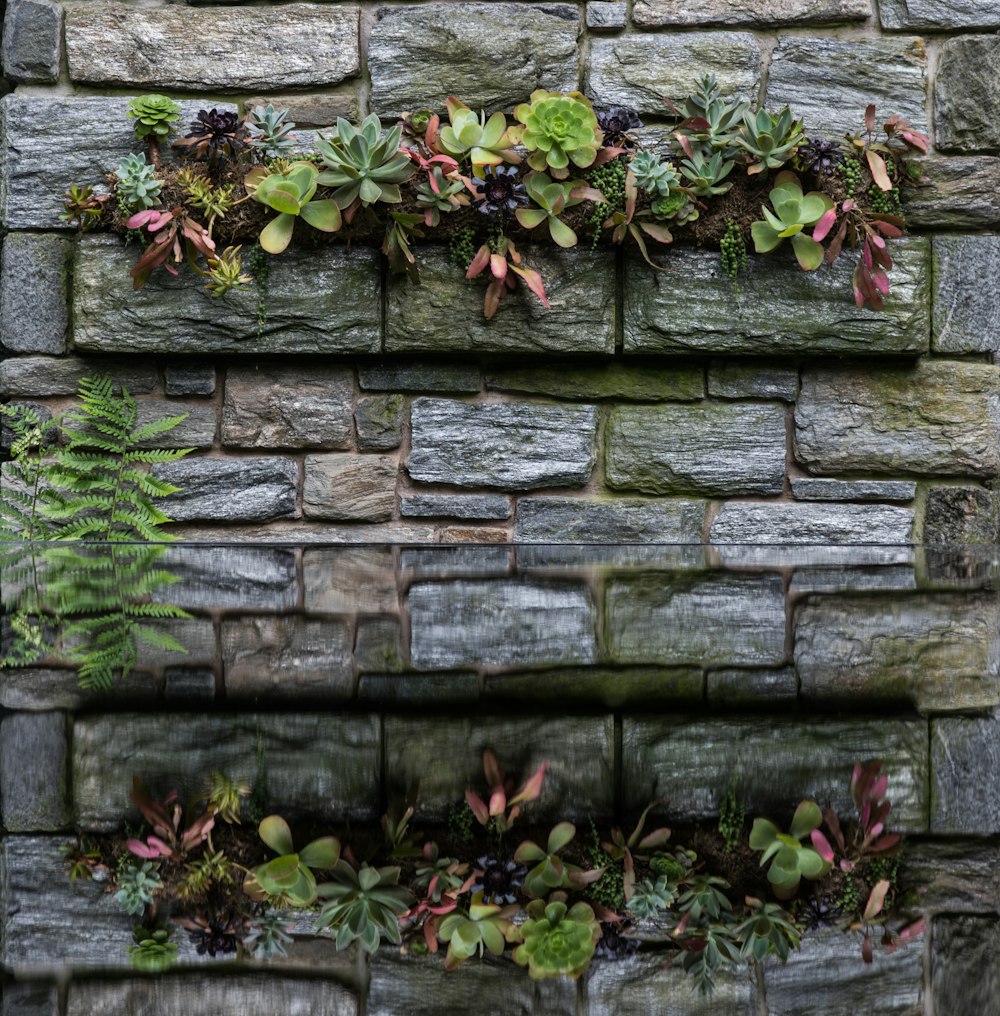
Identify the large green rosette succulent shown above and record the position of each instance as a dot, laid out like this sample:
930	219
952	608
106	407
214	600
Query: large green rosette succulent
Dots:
557	941
559	128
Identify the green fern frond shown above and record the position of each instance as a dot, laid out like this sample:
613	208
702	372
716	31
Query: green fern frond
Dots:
156	427
158	639
158	455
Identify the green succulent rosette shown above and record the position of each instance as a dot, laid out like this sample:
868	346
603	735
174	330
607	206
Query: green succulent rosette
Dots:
154	115
558	941
558	128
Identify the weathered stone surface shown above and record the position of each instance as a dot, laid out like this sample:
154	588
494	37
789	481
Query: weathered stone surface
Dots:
721	620
516	446
321	765
267	406
688	763
111	43
606	16
502	622
596	555
317	302
349	580
33	773
378	645
966	315
956	193
30	998
711	448
498	53
954	875
937	14
32	41
445	313
41	376
287	657
474	562
455	506
965	766
420	377
934	417
197	430
631	382
752	687
659	13
379	419
187	683
816	488
34	312
892	73
230	490
579	520
780	308
964	975
961	515
609	687
939	652
853	580
230	578
43	688
348	486
191	380
639	70
764	380
305	111
578	749
967	94
419	690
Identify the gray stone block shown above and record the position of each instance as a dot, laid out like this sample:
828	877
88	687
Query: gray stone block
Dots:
965	769
734	380
966	302
322	109
44	688
580	520
606	16
780	309
379	419
230	490
189	683
515	446
33	772
816	488
662	13
44	376
420	377
378	645
348	486
734	686
955	516
350	580
955	193
639	70
34	310
471	561
30	998
189	380
325	308
629	382
954	875
419	690
967	94
32	41
196	430
179	47
234	578
455	506
909	15
964	975
498	53
604	556
710	448
853	580
444	314
611	688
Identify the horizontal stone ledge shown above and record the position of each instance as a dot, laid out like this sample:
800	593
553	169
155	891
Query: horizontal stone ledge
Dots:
755	13
631	382
954	875
610	520
230	490
611	687
937	15
815	488
44	376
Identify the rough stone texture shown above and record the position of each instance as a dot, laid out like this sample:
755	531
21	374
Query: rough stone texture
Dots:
752	687
937	14
954	875
722	620
815	488
779	309
317	764
287	657
965	766
940	652
32	41
661	13
267	406
348	486
502	622
230	490
317	302
43	376
726	448
378	645
30	998
474	562
379	419
33	772
185	683
689	762
233	578
189	380
349	580
178	47
42	689
768	380
578	781
455	506
305	111
498	53
961	515
605	16
515	446
575	520
964	975
967	94
956	193
629	382
853	579
934	417
34	313
420	377
197	430
966	302
445	313
588	686
890	72
639	70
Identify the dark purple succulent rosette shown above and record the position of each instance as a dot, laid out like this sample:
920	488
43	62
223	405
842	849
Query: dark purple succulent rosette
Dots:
616	122
500	192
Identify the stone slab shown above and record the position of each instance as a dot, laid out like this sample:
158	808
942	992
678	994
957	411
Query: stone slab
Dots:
379	420
455	506
966	315
961	515
857	579
909	15
44	376
349	580
967	94
230	490
628	382
738	686
321	109
30	998
230	578
955	193
611	688
378	645
196	430
954	875
348	486
33	772
965	767
34	309
604	16
614	521
754	380
756	13
816	488
39	689
419	691
419	377
189	380
471	561
189	684
32	41
963	974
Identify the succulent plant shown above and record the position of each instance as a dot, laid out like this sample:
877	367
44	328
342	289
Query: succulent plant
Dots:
791	860
438	194
269	132
650	898
677	205
483	925
268	936
83	207
485	142
204	197
559	128
289	877
138	187
290	194
363	905
225	272
498	192
550	871
498	881
154	115
766	931
363	163
825	158
769	140
557	940
616	123
224	795
709	119
449	872
705	175
553	197
152	951
793	212
215	136
704	899
136	887
653	174
214	931
174	832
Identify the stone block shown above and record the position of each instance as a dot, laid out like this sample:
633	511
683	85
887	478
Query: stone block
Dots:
230	490
709	448
498	53
707	620
32	41
188	684
892	73
780	309
320	110
955	193
348	486
965	768
318	302
931	418
191	380
967	94
500	622
629	382
755	380
230	578
640	70
955	516
610	688
964	976
110	43
513	446
623	520
196	430
606	16
419	691
30	998
954	875
34	312
349	580
379	419
740	687
39	689
378	645
444	314
910	15
45	376
757	13
420	377
455	506
33	772
857	579
817	488
267	406
966	315
688	764
474	562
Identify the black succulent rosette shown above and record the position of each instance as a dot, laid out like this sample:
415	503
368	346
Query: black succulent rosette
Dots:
215	931
613	945
215	135
498	881
499	193
616	123
822	157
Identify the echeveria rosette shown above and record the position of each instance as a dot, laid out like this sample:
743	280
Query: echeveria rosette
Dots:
154	115
793	212
468	135
290	195
364	163
482	926
363	905
557	941
289	877
559	128
790	859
